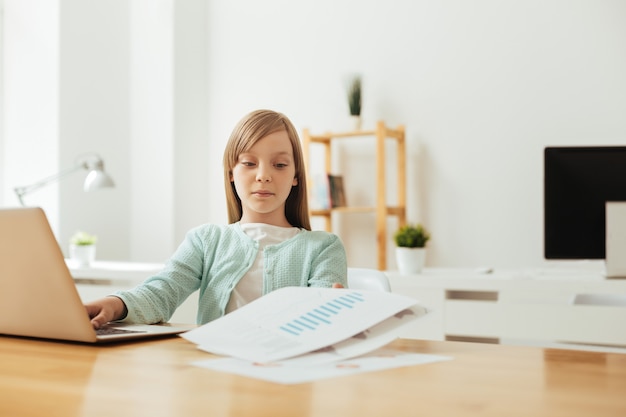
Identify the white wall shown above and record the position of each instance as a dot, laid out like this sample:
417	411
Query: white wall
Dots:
94	117
2	97
192	182
152	121
124	79
29	148
169	140
481	87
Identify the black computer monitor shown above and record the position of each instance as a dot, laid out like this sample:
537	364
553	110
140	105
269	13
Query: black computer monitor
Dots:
578	181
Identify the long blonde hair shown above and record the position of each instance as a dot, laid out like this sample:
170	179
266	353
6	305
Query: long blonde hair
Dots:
250	129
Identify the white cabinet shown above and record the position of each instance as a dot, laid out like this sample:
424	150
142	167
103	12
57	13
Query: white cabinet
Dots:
503	307
516	307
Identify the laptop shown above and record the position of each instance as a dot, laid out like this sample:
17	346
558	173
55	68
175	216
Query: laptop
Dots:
38	297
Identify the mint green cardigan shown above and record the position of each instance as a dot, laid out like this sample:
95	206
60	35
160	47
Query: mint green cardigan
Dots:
213	258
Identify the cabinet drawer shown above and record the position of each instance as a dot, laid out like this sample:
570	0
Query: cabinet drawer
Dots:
601	325
472	318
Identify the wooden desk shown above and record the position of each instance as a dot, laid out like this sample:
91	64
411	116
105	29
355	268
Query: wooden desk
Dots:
155	378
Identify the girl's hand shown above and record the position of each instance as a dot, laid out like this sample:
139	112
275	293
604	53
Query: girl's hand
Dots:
105	310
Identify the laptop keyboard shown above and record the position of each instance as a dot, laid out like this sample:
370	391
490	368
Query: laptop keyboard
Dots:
106	331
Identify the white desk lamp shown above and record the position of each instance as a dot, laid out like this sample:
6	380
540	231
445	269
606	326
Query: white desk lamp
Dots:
96	178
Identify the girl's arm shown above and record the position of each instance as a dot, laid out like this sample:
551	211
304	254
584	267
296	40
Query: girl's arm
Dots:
330	267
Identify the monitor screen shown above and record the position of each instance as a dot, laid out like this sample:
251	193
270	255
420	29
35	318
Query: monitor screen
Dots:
578	181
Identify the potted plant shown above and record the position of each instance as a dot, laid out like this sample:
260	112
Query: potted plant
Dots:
354	100
83	248
411	242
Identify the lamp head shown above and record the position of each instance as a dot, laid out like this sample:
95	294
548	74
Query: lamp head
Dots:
96	178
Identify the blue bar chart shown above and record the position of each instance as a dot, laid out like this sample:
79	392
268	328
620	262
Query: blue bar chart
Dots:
322	315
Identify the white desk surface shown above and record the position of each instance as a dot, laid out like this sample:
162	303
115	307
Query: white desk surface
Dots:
114	270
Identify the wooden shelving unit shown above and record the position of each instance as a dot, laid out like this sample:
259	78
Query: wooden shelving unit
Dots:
382	208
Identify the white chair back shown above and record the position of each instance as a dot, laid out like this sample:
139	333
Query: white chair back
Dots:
368	279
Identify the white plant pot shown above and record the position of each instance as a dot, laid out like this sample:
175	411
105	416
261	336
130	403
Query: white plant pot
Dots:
356	122
82	255
410	260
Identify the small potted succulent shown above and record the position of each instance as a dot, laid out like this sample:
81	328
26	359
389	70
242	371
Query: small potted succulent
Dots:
411	242
83	248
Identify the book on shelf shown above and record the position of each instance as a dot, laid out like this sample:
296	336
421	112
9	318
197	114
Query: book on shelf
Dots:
328	192
337	192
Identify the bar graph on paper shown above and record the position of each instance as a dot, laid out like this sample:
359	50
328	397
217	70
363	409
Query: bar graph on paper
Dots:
322	315
295	320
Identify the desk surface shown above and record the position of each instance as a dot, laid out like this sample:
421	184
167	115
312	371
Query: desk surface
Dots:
114	270
155	378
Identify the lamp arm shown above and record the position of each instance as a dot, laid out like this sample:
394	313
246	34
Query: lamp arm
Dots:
22	191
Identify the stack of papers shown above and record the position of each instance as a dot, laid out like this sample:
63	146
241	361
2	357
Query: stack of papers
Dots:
290	373
282	334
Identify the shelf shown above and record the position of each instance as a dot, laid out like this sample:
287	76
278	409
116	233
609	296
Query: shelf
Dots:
382	209
327	137
390	210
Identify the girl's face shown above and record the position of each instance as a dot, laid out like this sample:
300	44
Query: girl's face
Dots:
263	177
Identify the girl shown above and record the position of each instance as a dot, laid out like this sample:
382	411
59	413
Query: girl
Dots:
268	243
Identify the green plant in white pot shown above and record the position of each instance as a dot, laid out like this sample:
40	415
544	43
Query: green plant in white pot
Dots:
411	242
83	248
